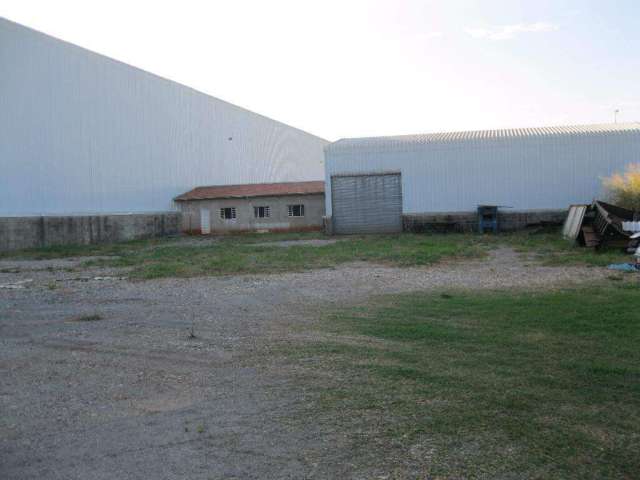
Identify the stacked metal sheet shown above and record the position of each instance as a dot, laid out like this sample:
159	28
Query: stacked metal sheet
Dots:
631	226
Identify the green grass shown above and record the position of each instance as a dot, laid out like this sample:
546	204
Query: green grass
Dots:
230	257
245	254
554	250
191	256
66	251
499	385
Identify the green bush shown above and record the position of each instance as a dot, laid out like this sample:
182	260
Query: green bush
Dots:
623	189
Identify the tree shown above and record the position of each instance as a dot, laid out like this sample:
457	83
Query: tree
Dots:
623	189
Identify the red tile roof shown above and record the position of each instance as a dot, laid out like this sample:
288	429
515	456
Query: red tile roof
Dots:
252	190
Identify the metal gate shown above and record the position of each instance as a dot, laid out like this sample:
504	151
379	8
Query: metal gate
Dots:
369	203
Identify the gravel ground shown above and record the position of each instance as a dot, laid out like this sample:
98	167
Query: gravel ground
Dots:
67	264
131	395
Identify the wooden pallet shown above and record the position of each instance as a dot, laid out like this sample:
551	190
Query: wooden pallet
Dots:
591	238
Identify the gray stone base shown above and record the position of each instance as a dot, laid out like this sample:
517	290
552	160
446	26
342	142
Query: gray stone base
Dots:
508	221
31	232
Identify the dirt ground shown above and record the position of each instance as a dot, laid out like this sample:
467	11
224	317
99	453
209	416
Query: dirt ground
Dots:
101	377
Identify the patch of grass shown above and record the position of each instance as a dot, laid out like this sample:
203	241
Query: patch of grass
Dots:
233	255
9	270
553	250
237	254
517	385
615	278
88	318
66	251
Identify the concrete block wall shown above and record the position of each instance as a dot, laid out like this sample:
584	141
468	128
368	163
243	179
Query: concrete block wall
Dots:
31	232
508	221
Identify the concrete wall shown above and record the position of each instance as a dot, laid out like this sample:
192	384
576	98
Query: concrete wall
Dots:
467	222
31	232
508	221
245	220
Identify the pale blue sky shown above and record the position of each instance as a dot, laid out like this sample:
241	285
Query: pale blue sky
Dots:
357	68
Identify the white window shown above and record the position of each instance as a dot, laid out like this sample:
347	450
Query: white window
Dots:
261	212
228	213
296	210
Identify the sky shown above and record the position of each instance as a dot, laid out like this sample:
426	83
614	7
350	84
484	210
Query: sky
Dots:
351	68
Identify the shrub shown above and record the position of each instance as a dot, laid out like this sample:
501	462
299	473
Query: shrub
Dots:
623	189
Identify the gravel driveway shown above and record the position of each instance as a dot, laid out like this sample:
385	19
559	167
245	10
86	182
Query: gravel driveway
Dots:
101	378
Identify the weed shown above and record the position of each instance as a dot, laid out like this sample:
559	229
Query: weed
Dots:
624	188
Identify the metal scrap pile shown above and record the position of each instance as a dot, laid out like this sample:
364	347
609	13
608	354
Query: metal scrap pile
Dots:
602	225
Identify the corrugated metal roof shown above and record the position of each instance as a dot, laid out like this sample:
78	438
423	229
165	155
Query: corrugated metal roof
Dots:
447	137
252	190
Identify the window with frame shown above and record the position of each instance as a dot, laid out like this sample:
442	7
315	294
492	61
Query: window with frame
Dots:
262	212
295	210
228	213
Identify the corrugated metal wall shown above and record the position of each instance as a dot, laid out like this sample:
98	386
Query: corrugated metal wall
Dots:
81	133
527	173
367	203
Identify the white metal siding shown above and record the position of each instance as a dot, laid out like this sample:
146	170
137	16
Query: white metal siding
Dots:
526	173
81	133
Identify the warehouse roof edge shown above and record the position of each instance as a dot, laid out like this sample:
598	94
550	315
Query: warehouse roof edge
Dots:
511	133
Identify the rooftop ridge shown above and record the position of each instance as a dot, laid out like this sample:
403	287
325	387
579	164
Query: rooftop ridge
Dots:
252	190
446	137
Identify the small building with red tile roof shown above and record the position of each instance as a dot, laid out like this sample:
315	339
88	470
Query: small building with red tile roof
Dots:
287	206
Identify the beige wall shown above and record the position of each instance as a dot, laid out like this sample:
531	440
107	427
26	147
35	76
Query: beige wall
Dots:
245	220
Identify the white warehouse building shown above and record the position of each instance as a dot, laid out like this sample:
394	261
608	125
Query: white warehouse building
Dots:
81	133
419	182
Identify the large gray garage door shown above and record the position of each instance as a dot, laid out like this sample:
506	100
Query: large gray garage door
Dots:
367	203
